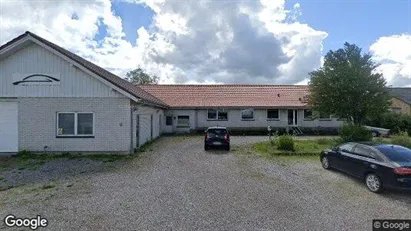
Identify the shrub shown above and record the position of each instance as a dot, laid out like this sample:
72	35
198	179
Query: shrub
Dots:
391	120
354	133
285	143
401	139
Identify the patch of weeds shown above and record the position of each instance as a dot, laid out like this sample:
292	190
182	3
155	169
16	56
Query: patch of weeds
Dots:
322	141
147	146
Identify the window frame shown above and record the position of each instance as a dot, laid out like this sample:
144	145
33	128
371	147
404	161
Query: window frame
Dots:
247	119
273	119
183	126
324	118
217	114
75	135
169	116
308	118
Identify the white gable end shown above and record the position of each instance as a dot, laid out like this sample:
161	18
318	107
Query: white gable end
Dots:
36	72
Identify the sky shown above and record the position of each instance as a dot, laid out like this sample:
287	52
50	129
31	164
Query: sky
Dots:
219	41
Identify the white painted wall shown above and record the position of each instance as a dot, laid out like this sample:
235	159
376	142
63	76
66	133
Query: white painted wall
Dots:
34	59
199	119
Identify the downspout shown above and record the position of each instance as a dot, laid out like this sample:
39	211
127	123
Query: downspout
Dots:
131	131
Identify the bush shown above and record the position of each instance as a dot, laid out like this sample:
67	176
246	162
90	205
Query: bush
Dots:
350	133
391	120
402	139
285	143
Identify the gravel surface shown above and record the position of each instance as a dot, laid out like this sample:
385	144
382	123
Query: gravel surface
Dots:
179	186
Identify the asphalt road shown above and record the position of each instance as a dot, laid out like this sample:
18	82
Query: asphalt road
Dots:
179	186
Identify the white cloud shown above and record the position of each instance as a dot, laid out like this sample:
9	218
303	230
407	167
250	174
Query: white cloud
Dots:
188	41
394	55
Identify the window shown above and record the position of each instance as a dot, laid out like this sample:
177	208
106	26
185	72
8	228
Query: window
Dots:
169	120
308	114
273	114
183	121
75	124
247	114
395	153
396	109
364	151
348	147
325	116
217	114
216	132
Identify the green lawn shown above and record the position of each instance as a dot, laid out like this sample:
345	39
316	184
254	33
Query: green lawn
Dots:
302	147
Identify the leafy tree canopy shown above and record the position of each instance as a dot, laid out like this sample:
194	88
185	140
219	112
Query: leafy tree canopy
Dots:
348	86
138	76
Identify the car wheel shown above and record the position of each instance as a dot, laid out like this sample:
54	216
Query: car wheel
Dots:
373	183
227	148
325	163
206	147
375	134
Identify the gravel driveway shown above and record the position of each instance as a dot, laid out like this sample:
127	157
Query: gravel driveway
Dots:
179	186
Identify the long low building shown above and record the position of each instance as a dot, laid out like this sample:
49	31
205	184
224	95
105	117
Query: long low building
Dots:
52	100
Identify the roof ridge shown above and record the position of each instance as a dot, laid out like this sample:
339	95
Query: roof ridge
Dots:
225	85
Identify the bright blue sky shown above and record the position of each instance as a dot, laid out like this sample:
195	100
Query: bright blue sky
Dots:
356	21
360	22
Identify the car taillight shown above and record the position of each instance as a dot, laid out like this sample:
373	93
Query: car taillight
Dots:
403	171
226	137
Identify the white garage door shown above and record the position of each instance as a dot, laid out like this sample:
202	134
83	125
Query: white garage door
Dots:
8	127
144	129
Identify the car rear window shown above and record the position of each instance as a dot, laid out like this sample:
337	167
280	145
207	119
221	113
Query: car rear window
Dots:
219	132
396	153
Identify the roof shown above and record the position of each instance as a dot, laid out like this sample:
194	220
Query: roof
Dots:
145	97
230	95
402	93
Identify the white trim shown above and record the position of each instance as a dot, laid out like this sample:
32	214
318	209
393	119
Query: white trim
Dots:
241	114
217	114
75	124
15	44
74	63
272	119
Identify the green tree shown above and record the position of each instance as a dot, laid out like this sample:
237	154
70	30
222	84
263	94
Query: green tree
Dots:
138	76
348	86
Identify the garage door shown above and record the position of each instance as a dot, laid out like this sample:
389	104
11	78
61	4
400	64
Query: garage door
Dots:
144	129
8	127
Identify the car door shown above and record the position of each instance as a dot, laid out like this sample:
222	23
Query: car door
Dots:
339	158
362	159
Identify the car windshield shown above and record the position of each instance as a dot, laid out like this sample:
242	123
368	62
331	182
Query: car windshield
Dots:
396	153
217	132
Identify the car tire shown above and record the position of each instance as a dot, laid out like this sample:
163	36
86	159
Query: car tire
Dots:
373	183
227	148
325	162
206	147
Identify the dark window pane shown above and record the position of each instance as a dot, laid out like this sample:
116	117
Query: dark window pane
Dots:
222	115
84	123
212	114
169	120
215	132
272	114
247	114
308	114
364	151
346	147
66	123
396	153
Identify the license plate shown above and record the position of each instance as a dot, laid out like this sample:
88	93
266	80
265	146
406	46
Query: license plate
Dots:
217	143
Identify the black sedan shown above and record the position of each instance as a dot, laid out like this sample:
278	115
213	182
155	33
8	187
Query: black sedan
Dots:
379	165
217	137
